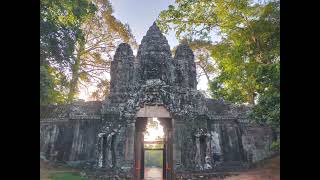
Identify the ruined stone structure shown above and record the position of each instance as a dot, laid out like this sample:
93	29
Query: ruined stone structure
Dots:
200	134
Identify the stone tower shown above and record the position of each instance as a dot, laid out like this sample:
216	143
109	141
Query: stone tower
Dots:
154	57
185	67
200	134
122	71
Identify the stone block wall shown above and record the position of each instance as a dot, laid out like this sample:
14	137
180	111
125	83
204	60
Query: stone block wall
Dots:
70	140
256	142
68	133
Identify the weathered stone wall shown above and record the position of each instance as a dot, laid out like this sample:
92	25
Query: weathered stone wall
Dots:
69	140
69	133
208	135
256	142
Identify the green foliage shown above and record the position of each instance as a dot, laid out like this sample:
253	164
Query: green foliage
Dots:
66	176
76	39
153	158
189	17
276	145
51	86
60	30
154	146
103	32
247	56
102	90
242	53
268	108
60	23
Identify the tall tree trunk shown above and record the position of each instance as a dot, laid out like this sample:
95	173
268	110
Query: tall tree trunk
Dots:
73	89
74	81
251	97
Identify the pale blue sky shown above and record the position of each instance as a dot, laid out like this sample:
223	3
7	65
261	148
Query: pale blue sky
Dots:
140	15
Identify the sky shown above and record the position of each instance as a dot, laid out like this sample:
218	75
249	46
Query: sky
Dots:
153	133
140	15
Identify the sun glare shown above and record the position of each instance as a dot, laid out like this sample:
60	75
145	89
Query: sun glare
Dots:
154	130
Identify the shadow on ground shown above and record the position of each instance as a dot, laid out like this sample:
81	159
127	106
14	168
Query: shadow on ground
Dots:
268	170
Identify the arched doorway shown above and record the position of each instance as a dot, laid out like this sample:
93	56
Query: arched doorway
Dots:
163	116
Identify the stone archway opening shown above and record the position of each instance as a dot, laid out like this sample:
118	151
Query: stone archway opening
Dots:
153	143
153	150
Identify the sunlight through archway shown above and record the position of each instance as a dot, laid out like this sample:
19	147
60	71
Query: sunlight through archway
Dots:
154	130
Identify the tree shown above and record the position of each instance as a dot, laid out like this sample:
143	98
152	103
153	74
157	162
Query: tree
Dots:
246	58
154	158
59	30
103	32
52	86
202	54
102	90
76	42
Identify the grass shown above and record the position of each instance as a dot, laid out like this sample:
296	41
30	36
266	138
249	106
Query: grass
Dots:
49	172
66	176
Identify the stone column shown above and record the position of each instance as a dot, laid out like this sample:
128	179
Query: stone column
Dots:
129	154
142	156
108	160
169	163
138	146
198	154
138	149
176	145
209	153
100	150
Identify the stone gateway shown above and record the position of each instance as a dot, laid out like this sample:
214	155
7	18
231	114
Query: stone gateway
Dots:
200	134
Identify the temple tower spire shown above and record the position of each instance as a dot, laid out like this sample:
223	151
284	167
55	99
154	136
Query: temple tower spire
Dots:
154	57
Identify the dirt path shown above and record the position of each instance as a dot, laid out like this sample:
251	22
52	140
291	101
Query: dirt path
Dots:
269	171
153	173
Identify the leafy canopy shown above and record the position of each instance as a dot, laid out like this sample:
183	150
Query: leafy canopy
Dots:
76	39
246	56
60	23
